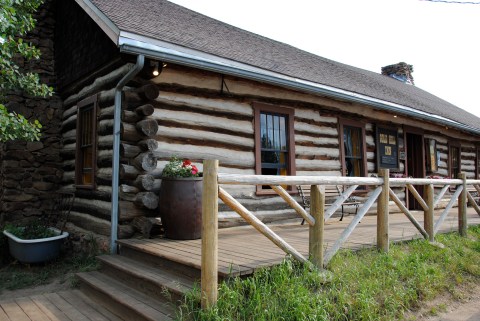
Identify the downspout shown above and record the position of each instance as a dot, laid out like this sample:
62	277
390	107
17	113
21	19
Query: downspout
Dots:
116	149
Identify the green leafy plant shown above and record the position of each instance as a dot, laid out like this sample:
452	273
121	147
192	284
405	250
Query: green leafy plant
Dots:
16	20
180	168
31	231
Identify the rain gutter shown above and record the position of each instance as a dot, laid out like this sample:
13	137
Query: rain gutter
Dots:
116	149
135	44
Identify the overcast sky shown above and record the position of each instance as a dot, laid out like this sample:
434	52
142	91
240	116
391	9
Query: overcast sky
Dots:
440	40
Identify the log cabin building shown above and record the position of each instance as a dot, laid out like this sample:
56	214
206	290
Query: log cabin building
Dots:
169	81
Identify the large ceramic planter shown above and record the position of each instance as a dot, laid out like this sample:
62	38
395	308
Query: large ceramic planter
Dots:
36	250
180	206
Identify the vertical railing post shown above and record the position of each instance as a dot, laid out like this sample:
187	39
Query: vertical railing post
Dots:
209	272
383	212
317	210
462	207
428	215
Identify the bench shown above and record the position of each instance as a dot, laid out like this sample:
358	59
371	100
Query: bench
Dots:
332	192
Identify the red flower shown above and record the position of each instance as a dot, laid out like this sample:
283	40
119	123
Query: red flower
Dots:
186	163
194	170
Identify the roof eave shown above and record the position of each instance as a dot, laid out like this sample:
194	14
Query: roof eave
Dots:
110	29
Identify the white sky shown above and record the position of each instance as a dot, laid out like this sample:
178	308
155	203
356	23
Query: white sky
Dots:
440	40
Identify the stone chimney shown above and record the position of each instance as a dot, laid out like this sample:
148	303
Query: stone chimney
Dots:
401	71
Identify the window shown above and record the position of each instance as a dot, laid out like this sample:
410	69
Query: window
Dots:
85	162
454	160
353	150
274	141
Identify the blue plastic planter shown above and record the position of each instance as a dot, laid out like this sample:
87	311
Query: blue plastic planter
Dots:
37	250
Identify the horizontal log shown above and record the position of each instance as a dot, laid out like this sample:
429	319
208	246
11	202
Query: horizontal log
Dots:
129	210
100	83
129	151
187	133
296	180
208	104
127	196
143	225
129	133
98	225
147	92
200	120
127	172
243	159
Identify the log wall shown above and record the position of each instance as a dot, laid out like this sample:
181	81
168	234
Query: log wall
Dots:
190	114
204	115
139	188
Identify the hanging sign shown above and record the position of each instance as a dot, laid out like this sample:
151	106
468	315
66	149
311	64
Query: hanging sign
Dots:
387	148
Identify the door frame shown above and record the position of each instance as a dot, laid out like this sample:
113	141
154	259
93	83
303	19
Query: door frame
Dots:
414	131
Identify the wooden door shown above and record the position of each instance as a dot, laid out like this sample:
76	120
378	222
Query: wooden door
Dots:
415	165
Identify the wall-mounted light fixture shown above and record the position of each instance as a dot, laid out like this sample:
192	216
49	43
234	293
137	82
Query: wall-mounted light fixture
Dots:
152	69
155	71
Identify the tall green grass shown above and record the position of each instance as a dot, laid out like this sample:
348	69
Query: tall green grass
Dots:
366	285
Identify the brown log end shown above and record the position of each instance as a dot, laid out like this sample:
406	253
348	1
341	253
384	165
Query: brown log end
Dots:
146	200
149	91
148	127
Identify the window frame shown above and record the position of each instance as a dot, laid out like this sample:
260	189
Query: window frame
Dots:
450	158
87	103
342	122
289	113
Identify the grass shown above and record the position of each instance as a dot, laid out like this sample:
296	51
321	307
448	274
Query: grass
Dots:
366	285
16	276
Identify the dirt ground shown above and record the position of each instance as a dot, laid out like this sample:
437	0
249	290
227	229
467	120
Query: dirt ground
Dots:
464	305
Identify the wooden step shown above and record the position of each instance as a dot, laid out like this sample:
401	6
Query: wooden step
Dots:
160	283
141	252
122	300
65	305
183	256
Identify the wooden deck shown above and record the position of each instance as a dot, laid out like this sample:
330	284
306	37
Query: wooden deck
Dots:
241	251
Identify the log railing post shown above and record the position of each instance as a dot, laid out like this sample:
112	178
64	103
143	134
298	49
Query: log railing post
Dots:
209	272
317	210
462	207
428	213
383	212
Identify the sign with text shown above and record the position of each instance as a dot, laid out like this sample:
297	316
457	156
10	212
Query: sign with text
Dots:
387	148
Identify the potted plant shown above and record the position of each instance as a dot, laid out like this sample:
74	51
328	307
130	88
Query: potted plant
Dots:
34	243
180	200
39	240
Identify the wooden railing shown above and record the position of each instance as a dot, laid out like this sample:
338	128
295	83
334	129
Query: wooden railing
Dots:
381	193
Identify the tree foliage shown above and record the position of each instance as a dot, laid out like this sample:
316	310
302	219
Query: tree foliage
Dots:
16	19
